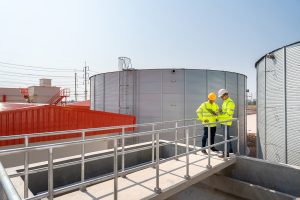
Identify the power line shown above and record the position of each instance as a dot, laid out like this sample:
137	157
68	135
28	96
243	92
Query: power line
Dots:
37	75
42	70
30	66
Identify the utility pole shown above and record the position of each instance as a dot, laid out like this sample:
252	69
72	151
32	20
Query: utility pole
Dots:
86	68
76	86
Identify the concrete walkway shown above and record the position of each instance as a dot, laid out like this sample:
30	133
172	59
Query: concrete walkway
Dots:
140	184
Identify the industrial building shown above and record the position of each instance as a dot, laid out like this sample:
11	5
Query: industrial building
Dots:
44	93
278	105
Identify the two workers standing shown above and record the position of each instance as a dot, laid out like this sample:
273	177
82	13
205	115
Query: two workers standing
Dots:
209	112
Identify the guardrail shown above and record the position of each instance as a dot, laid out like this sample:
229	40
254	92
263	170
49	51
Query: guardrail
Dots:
7	190
156	161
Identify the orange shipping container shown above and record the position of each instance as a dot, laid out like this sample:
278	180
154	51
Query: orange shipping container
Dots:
47	118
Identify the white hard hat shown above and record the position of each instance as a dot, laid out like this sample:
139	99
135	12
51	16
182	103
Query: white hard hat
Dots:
222	92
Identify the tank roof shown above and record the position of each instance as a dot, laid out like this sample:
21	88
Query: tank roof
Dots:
274	51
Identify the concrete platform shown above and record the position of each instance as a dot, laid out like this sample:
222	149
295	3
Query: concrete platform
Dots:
140	184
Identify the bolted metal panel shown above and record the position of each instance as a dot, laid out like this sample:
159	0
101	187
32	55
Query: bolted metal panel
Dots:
99	92
234	85
216	81
275	141
195	91
173	97
234	80
150	96
92	92
111	94
241	111
261	139
173	94
293	103
195	94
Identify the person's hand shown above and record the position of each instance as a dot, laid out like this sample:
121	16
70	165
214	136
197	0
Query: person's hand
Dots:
206	121
214	113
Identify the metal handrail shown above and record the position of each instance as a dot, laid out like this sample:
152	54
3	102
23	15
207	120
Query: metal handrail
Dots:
155	161
31	135
7	190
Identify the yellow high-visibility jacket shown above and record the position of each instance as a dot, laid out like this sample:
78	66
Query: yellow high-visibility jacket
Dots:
228	107
208	111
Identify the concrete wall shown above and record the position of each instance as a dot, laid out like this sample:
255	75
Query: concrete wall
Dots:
41	94
248	179
42	155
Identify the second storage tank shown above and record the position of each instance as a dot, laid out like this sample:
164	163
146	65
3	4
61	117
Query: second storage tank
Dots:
278	105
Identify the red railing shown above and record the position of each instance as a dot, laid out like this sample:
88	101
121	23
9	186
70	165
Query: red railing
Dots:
58	97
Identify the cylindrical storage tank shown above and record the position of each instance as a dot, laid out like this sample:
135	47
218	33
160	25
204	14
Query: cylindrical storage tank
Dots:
278	105
156	95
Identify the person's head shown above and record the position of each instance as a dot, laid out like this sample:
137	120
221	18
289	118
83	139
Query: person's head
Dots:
212	97
223	94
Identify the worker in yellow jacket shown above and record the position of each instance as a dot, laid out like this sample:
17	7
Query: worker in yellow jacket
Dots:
208	113
226	113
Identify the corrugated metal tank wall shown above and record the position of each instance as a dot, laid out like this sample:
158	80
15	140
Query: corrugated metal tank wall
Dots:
157	95
278	105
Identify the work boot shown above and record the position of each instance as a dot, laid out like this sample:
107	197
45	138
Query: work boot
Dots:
214	149
222	156
204	152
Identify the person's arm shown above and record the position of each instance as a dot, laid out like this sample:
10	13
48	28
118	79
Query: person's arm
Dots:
230	109
200	113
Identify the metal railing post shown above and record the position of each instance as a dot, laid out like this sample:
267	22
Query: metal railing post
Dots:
225	145
123	152
187	163
115	169
238	141
209	143
176	141
82	188
26	168
153	148
194	135
50	174
157	188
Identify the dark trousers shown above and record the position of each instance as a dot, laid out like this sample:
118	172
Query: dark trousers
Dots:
212	135
229	145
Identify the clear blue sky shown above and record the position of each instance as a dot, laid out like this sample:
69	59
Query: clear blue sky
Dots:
225	35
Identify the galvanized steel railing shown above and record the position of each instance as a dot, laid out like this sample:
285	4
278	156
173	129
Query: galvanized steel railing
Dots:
7	190
156	161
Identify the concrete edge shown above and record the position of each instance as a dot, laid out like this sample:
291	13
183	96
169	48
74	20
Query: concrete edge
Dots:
187	183
244	189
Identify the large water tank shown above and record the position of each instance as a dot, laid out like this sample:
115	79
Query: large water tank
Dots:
278	105
155	95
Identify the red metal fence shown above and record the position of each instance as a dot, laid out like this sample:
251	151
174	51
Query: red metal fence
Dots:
49	118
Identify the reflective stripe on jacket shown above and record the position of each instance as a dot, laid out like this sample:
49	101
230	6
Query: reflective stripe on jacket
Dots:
228	107
208	111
